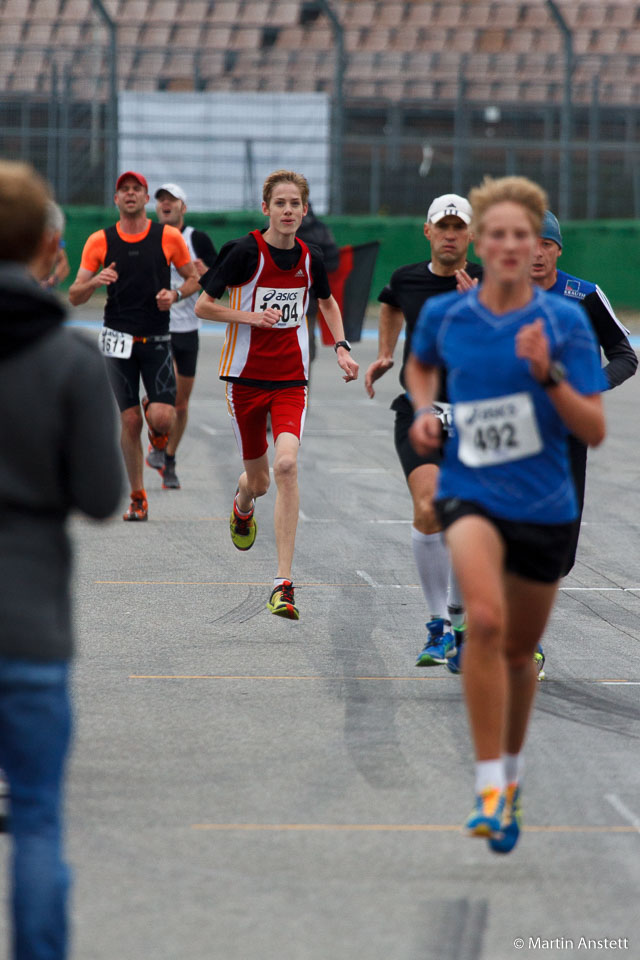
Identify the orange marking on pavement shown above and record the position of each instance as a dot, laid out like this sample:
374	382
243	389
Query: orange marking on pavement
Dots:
392	828
216	583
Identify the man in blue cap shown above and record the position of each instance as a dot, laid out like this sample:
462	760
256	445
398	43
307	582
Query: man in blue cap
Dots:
610	333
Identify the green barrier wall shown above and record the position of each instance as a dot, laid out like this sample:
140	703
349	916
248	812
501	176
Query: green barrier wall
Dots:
606	252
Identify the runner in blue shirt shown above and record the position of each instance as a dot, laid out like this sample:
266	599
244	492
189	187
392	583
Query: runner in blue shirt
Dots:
523	370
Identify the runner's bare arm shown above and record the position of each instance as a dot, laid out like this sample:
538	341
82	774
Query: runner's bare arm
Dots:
422	383
86	282
207	308
166	298
333	318
389	329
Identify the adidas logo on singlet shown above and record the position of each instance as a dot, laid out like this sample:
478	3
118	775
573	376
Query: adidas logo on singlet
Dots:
300	273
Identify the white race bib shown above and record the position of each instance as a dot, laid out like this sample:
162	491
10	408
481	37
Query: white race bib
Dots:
289	301
497	430
114	343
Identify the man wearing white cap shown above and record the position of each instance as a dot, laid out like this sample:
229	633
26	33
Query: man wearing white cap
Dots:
447	230
171	206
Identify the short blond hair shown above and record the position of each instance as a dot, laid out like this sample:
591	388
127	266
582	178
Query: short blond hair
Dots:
518	190
24	196
285	176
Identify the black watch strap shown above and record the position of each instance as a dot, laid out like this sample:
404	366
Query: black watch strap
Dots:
342	343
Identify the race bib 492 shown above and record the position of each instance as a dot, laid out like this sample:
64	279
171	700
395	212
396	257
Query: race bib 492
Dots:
497	430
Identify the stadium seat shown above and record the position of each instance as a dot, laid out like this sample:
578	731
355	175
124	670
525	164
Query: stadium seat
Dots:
447	14
419	14
361	13
284	13
254	13
390	14
224	11
492	41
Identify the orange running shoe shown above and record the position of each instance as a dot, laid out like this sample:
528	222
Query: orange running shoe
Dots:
138	508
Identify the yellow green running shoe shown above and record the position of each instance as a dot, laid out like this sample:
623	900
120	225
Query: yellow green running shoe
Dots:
282	602
243	529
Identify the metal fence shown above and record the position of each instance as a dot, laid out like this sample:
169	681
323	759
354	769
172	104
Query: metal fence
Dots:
388	150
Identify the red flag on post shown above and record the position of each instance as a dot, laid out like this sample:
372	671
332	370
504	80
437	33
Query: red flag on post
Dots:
351	284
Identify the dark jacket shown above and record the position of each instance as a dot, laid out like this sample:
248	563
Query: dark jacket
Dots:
58	453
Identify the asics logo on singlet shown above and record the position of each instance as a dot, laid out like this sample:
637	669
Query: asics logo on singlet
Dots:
500	411
279	295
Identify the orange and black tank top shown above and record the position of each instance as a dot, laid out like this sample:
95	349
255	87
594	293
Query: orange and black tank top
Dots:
142	271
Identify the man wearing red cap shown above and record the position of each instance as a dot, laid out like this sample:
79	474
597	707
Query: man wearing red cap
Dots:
133	260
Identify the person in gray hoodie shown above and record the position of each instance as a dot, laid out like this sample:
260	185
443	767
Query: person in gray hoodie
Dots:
59	454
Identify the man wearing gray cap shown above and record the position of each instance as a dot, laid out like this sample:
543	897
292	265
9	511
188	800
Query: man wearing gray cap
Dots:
171	206
447	230
610	334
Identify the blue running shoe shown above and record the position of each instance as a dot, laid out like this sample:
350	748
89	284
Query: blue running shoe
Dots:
538	659
454	656
511	822
439	642
485	820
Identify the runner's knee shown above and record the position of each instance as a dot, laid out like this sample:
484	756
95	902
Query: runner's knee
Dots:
161	416
425	518
486	625
285	467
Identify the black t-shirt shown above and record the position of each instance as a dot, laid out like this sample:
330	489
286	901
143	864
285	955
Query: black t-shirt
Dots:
238	260
408	289
203	247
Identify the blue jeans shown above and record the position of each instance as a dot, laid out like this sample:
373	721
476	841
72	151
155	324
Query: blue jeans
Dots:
35	731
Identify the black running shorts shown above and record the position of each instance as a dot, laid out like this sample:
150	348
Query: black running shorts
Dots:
185	352
536	551
409	459
154	363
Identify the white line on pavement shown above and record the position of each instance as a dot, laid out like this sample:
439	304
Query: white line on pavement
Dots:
622	808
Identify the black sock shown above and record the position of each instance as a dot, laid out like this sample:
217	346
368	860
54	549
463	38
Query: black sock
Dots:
169	458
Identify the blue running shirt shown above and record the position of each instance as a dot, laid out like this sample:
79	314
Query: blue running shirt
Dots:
509	449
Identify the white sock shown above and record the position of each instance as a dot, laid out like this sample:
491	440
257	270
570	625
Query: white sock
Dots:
432	560
243	513
489	773
455	606
513	766
278	581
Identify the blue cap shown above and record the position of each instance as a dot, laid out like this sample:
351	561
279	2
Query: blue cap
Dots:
551	228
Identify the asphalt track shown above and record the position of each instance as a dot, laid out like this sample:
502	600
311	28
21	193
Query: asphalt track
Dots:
247	788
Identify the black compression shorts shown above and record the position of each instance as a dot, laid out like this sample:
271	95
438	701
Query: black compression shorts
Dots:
153	362
184	347
409	459
536	551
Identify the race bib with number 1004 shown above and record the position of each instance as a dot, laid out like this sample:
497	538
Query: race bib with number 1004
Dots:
114	343
290	302
497	431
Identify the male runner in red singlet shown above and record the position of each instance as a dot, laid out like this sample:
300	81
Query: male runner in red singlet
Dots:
133	259
265	360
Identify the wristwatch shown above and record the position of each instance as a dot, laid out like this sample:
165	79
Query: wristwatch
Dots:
342	343
557	374
179	293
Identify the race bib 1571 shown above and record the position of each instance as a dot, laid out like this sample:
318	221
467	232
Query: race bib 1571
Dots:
114	343
497	430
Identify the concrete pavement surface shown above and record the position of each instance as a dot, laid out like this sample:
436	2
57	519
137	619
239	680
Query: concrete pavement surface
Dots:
248	788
